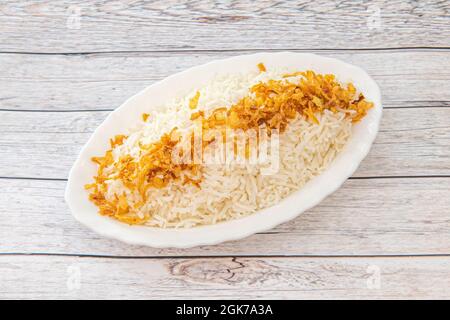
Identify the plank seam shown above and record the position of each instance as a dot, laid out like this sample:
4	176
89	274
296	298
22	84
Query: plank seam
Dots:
181	51
254	256
447	105
350	178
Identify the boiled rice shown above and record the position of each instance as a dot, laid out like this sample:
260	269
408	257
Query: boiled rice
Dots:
232	190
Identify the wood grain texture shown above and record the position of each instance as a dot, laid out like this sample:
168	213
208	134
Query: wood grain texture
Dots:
105	81
364	217
129	25
58	80
224	278
411	142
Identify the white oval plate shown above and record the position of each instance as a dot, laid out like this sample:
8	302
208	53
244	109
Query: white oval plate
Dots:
128	114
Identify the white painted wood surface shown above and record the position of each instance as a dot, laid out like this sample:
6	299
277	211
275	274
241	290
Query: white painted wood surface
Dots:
171	25
59	82
226	278
421	140
365	217
407	77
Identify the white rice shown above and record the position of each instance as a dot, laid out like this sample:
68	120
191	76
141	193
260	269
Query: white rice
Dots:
233	190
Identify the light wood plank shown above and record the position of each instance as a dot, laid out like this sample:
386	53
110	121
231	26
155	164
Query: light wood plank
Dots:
48	26
225	278
364	217
381	216
44	145
105	81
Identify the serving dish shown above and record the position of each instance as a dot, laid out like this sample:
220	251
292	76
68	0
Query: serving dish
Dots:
363	135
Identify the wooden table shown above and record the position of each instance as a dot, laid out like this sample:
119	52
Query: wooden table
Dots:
64	65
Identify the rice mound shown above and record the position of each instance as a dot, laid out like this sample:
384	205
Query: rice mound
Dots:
235	189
